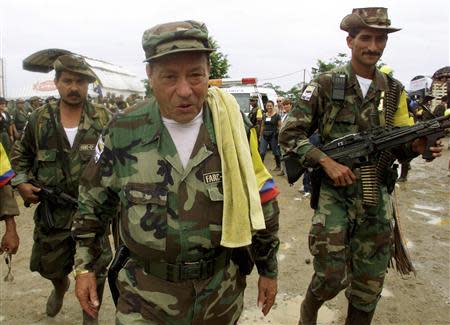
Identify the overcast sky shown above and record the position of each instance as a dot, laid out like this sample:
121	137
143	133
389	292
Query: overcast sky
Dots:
271	40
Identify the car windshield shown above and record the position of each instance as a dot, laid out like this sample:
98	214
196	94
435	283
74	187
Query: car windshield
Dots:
243	101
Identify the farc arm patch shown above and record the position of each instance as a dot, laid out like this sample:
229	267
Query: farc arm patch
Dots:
307	93
99	149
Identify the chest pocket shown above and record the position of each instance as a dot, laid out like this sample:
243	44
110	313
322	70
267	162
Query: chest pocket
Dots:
48	168
146	216
344	123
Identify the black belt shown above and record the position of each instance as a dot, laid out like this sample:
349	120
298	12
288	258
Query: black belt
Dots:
178	272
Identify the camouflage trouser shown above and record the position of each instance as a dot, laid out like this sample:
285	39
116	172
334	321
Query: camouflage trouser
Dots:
145	299
351	245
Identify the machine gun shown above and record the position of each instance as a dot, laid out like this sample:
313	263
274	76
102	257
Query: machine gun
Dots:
52	195
359	147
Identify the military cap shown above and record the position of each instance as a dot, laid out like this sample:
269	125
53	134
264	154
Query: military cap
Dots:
175	37
3	100
33	98
20	100
254	97
76	64
372	17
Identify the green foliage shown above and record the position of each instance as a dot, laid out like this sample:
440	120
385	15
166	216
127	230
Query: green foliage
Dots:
148	89
339	60
219	62
274	87
322	66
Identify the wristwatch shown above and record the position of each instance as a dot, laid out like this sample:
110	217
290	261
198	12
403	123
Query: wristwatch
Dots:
77	272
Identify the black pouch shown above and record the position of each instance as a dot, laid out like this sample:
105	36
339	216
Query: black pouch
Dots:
316	181
243	257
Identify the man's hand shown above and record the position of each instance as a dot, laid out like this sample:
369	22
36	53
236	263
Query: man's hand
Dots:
28	192
10	240
86	292
419	146
340	174
267	291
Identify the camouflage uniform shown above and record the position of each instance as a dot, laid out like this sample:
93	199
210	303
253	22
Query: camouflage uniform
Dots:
20	117
351	243
168	215
36	155
8	204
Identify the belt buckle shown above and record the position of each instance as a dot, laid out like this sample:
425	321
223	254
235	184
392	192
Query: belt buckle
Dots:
192	270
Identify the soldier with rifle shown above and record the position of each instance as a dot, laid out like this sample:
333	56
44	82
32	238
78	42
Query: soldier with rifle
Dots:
57	144
351	235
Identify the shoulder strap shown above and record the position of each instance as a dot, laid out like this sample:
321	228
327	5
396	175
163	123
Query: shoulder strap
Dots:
338	84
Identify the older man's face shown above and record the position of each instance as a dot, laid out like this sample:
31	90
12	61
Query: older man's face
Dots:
180	84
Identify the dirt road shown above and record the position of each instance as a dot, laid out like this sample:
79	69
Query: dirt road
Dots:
422	300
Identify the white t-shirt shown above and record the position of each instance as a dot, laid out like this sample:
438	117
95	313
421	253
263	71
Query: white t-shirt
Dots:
184	135
364	84
71	134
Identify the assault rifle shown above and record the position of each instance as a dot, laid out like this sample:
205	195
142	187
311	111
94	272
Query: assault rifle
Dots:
55	196
359	147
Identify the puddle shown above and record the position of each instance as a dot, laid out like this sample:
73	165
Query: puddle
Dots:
425	214
435	221
387	293
427	207
286	311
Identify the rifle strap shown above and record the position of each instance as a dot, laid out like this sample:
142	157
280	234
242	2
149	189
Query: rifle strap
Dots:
61	153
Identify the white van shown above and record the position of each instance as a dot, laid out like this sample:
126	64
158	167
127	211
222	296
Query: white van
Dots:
243	89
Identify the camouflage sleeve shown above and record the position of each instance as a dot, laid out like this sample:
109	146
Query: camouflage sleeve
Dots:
97	201
8	204
24	154
265	242
301	122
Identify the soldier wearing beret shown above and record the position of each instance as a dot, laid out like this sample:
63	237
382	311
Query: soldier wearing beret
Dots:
180	167
58	142
351	237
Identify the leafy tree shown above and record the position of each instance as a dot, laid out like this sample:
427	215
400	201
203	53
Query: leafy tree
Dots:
148	89
322	66
219	62
339	60
277	88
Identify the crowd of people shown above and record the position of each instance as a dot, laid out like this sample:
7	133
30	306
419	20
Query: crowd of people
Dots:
181	175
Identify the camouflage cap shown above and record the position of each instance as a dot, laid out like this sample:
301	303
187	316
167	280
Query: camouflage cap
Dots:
175	37
372	17
76	64
33	98
3	100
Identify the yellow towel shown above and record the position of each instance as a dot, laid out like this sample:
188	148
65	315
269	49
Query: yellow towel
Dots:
242	211
262	175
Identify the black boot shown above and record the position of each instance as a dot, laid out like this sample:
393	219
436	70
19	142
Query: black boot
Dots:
309	309
358	317
55	300
404	172
88	320
278	163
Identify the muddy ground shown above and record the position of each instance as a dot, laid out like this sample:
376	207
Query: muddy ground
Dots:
422	300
